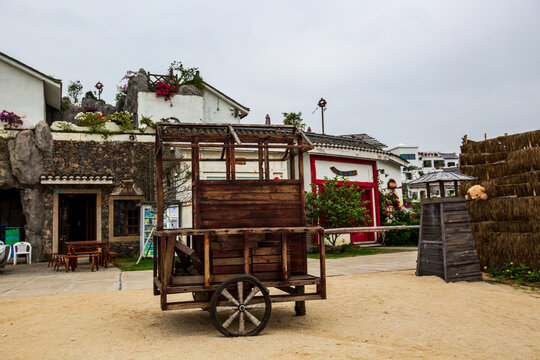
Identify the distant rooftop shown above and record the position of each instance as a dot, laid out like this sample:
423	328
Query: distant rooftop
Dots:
441	176
347	142
367	139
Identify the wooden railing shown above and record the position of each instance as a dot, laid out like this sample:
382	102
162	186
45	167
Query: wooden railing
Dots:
376	229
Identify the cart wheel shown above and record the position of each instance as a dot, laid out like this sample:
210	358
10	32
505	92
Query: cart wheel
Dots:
237	309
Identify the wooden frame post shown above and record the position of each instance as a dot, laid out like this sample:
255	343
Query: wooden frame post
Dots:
195	177
322	264
301	178
441	189
261	173
232	163
206	260
266	162
246	253
293	167
284	255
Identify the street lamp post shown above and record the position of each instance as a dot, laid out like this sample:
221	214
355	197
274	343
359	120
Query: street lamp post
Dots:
322	105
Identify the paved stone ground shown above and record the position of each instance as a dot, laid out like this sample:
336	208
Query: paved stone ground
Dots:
37	279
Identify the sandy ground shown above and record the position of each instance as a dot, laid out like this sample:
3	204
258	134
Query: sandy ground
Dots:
391	315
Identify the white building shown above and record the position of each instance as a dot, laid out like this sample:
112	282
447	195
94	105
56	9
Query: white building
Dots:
422	163
359	159
27	92
212	107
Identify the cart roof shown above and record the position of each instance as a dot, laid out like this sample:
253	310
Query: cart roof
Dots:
237	134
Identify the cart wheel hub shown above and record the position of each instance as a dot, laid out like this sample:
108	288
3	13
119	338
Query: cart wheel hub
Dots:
242	307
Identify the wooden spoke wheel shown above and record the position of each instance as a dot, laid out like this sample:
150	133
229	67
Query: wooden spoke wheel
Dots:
241	306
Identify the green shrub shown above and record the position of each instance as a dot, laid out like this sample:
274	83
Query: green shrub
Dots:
122	119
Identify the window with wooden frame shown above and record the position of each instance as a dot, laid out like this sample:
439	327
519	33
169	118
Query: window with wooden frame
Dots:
126	217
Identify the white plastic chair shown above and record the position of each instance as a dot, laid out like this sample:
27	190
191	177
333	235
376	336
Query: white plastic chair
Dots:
22	248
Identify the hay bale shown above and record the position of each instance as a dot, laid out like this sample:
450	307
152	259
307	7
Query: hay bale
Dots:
506	227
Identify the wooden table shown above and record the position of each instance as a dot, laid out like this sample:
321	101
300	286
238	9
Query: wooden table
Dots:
74	247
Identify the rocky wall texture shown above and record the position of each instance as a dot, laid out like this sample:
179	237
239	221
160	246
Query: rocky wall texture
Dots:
131	161
21	165
122	160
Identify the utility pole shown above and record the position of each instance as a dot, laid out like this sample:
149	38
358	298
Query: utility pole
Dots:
322	105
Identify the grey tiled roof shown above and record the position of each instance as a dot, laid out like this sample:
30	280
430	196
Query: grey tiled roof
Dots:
449	156
339	141
442	176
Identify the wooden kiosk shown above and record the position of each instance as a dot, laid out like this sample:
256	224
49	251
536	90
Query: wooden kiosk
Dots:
446	245
247	236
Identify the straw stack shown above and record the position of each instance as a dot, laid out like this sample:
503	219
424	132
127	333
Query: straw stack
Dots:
506	227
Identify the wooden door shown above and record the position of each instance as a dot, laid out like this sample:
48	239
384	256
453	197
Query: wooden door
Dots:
362	237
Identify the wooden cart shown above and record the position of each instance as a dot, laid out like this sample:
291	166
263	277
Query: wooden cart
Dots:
248	235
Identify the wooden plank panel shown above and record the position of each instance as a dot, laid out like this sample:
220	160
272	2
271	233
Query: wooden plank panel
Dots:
228	206
266	251
271	275
213	224
263	259
456	217
266	267
249	214
455	271
244	196
230	269
458	227
227	254
228	261
452	206
240	187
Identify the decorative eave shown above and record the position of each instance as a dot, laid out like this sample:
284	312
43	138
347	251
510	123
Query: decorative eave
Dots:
376	153
76	180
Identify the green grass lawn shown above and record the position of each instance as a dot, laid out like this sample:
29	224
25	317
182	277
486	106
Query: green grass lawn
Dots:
128	263
350	251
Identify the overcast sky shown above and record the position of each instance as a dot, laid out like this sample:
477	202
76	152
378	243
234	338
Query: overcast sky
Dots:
417	72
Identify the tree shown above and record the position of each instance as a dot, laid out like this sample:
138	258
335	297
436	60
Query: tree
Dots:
295	119
336	206
185	75
75	91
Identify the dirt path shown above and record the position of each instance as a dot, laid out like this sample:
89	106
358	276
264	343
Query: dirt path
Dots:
391	315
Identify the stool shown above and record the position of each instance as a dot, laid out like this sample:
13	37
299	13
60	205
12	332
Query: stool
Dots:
60	260
113	258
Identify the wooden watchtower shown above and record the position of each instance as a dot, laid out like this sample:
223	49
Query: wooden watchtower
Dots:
446	245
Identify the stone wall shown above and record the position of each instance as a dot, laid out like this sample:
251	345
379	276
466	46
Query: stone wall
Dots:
121	160
21	165
28	154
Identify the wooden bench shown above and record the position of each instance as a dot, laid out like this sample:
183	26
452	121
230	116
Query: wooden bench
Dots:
71	260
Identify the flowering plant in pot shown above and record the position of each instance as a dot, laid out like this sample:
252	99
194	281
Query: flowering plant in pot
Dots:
12	119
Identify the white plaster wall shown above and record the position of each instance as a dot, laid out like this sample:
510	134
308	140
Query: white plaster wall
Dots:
393	171
217	110
22	94
186	108
214	170
364	172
